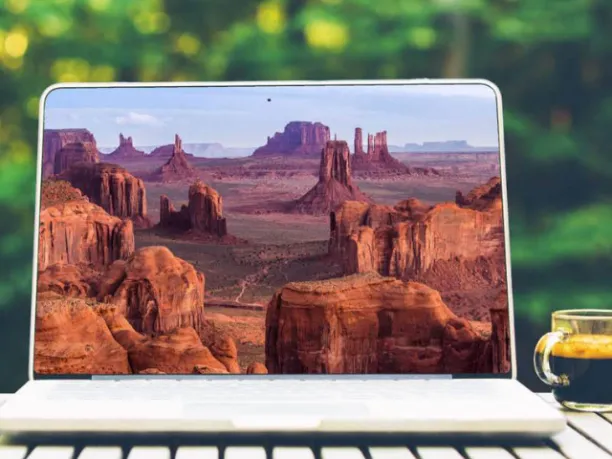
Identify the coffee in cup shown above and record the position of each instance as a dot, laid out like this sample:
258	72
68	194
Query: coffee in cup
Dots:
575	359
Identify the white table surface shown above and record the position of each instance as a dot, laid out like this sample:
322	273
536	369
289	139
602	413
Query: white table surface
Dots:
587	436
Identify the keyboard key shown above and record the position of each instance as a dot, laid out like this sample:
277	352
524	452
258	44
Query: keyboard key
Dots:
487	453
244	452
292	453
438	452
537	453
95	452
391	453
52	452
575	446
341	453
197	452
13	452
149	452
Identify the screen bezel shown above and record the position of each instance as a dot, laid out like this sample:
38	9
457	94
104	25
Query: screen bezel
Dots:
412	82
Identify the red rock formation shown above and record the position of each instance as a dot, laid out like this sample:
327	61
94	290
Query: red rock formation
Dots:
156	291
500	336
68	281
359	142
73	153
166	151
56	139
113	188
203	214
82	232
257	368
206	210
377	161
224	350
177	168
151	371
126	149
54	192
335	184
456	250
176	352
484	197
298	138
71	338
369	324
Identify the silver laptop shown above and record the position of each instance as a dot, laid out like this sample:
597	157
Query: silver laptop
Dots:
274	257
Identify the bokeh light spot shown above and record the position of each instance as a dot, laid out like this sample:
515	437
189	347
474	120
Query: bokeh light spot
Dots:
53	25
148	73
187	44
422	37
99	5
32	105
19	152
16	43
270	17
326	34
147	22
16	6
102	73
12	63
70	70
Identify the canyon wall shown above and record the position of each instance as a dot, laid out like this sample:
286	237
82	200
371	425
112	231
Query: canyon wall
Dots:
73	153
113	188
56	139
82	232
451	247
366	324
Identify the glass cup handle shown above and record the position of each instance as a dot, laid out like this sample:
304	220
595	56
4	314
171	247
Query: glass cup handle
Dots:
541	359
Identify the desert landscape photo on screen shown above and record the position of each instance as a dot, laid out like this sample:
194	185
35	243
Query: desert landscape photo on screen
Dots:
271	230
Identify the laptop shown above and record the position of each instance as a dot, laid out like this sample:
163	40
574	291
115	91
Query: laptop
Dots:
326	257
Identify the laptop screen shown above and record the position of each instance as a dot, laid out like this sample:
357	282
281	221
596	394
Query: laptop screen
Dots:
342	229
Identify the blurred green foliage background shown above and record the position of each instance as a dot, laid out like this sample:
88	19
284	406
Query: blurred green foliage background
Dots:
551	60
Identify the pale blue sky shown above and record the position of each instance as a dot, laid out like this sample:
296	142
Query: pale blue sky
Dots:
243	117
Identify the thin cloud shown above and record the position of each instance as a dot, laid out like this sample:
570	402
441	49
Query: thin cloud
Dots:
138	119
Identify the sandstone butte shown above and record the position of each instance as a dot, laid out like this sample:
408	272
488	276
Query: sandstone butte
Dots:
377	161
447	246
203	214
298	138
113	188
177	168
155	291
56	139
73	153
335	185
166	151
377	154
126	149
82	232
367	323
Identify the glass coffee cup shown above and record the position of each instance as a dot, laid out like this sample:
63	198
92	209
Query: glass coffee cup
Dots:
575	359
